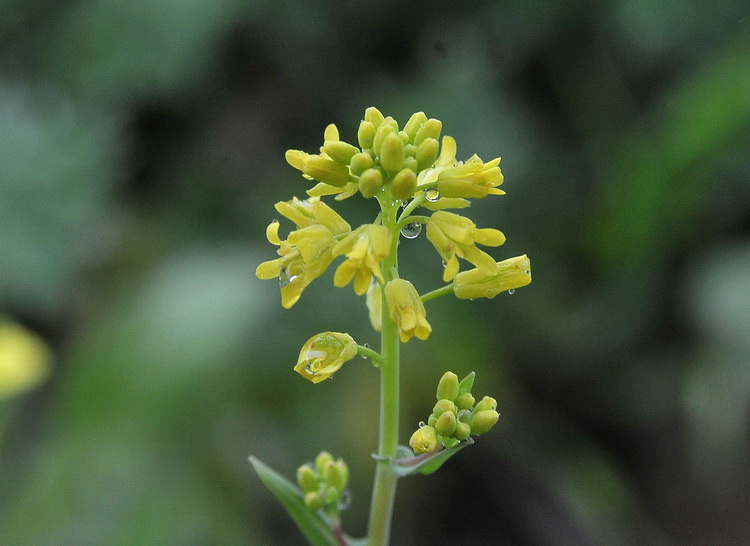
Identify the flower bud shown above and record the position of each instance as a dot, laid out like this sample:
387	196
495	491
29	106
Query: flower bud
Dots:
407	310
446	424
307	479
487	403
326	171
370	182
331	496
432	420
312	500
323	354
338	474
424	440
462	432
359	163
374	116
391	153
331	132
448	386
381	133
427	153
365	135
404	184
411	164
465	401
415	122
442	406
509	274
374	301
430	129
341	152
321	461
483	421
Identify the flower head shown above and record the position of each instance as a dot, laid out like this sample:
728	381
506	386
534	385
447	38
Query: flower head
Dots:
510	274
323	354
455	236
407	310
365	248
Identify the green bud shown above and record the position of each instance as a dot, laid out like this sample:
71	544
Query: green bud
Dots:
326	170
338	474
466	383
444	405
321	461
312	500
427	152
341	152
391	152
411	164
307	479
404	137
430	129
331	132
446	424
432	420
410	150
404	184
465	401
487	403
365	134
448	386
331	496
374	116
424	440
462	432
370	182
359	163
483	421
415	122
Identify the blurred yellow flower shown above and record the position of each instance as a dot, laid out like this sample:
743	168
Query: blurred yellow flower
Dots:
25	359
455	236
407	310
365	248
510	274
323	354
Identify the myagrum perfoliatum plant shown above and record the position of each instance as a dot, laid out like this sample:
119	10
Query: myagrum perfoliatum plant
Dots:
415	179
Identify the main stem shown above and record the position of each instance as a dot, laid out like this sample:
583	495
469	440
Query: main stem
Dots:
384	486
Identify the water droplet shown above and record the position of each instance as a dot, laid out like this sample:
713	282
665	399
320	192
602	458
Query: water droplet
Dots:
346	500
422	424
411	231
512	291
285	278
431	195
444	264
490	293
309	369
366	346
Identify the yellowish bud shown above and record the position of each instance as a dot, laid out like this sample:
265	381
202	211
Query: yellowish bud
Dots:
465	401
331	132
411	164
374	116
321	462
360	162
407	310
424	440
446	424
462	432
370	182
427	153
487	403
25	359
483	421
430	129
312	500
323	354
365	134
307	479
448	387
325	170
476	283
341	152
413	125
404	184
337	474
391	152
442	406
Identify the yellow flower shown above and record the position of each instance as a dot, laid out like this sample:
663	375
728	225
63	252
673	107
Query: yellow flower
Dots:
374	300
307	252
510	274
424	440
319	167
365	248
454	237
407	310
24	359
324	354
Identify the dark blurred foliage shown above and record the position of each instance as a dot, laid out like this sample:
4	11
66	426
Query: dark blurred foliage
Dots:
141	152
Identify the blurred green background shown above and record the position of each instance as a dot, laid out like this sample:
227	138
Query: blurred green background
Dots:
141	152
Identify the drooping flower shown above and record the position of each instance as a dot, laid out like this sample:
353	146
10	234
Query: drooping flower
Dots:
455	236
323	354
510	274
365	248
407	310
307	252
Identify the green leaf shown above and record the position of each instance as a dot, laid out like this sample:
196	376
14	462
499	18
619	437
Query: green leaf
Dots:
312	524
406	463
466	383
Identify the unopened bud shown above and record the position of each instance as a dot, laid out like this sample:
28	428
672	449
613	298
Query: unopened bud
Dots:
374	116
385	129
404	184
424	440
444	405
430	129
413	125
446	424
341	152
391	153
462	432
365	134
411	164
483	421
487	403
370	182
448	386
427	152
338	474
326	170
321	461
306	479
359	163
465	401
312	500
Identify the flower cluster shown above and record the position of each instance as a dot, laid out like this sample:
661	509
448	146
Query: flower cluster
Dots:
454	417
324	482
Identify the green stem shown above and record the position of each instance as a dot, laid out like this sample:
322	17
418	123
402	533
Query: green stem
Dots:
375	356
444	291
384	486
